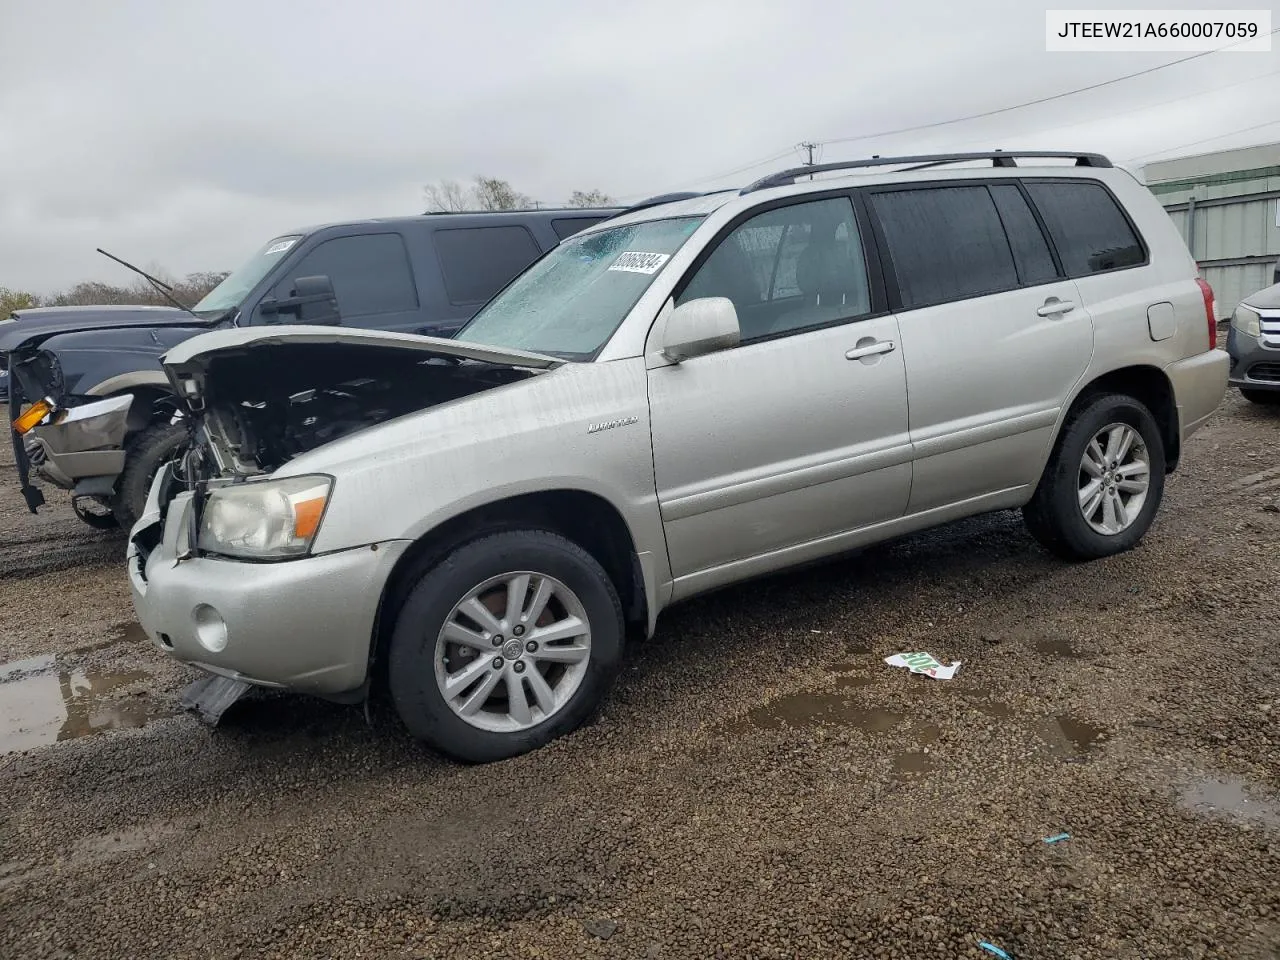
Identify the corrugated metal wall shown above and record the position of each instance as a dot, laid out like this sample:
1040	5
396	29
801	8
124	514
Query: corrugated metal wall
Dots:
1235	231
1237	241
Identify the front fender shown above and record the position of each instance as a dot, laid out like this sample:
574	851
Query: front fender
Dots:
99	363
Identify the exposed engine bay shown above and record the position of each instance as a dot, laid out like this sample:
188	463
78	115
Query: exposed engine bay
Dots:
260	407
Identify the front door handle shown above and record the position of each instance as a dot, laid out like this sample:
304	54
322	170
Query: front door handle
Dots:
1053	306
870	350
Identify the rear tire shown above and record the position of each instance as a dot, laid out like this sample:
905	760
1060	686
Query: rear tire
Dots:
145	454
1266	398
556	655
1065	514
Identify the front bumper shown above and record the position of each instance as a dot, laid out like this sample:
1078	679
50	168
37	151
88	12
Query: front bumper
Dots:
304	624
1199	383
1254	365
87	442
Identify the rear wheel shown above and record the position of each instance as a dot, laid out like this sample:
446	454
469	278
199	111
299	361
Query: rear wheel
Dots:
1104	481
1268	398
145	454
511	641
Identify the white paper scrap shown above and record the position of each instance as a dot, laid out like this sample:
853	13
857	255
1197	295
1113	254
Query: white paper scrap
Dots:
923	663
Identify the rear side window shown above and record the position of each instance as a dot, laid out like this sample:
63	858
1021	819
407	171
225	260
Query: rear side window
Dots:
1087	225
370	274
477	262
1030	249
571	225
946	243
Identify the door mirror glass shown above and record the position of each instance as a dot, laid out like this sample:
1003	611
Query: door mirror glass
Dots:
701	326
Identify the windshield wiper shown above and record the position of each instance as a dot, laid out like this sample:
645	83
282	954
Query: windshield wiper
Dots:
161	287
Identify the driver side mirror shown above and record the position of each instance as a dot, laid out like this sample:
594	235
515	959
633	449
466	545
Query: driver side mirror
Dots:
699	327
313	302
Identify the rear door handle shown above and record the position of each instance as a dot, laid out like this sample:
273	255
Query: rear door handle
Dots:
870	350
1052	307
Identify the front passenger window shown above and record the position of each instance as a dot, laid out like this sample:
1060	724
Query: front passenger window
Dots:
789	269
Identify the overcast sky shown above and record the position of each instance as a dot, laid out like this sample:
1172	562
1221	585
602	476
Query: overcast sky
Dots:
182	134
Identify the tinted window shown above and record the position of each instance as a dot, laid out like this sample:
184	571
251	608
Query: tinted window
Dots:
478	262
1030	249
370	274
1088	228
946	243
789	269
571	225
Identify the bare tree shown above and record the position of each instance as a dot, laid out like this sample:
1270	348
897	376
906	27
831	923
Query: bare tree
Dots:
590	198
494	194
189	290
11	300
485	193
447	196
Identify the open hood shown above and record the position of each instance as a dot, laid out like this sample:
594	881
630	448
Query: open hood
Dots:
198	350
259	397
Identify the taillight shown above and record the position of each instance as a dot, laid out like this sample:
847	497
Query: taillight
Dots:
1207	292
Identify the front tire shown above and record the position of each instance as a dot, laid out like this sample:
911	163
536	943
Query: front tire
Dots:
1103	483
508	643
145	454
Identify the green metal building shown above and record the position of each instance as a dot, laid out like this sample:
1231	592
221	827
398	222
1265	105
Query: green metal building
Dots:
1227	206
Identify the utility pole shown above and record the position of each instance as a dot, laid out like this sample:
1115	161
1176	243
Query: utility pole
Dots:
809	148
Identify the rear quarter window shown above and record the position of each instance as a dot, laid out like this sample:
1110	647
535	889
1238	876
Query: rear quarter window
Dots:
568	226
477	262
1091	232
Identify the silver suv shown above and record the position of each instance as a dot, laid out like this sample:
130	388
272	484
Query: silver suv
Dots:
690	394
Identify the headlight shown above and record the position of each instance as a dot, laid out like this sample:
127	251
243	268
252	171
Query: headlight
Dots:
1247	321
264	520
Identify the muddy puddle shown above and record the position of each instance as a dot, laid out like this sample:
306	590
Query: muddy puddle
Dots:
1056	647
1067	738
811	709
1230	798
47	699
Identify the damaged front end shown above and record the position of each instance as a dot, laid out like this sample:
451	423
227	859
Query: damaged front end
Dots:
221	561
261	403
76	447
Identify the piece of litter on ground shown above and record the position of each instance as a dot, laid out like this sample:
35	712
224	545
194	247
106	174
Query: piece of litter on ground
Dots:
923	663
1057	838
994	950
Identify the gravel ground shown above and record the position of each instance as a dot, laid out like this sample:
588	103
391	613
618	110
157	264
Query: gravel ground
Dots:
760	784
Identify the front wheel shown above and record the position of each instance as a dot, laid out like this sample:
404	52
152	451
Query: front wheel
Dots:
1103	483
509	642
145	454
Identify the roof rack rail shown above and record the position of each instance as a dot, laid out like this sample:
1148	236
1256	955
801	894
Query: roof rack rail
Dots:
998	158
660	199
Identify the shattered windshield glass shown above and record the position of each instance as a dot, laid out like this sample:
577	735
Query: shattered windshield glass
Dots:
571	301
231	291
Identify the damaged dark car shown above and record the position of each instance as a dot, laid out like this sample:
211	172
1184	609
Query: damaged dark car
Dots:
92	411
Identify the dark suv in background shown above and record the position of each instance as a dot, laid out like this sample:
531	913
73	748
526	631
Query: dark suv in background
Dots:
93	412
